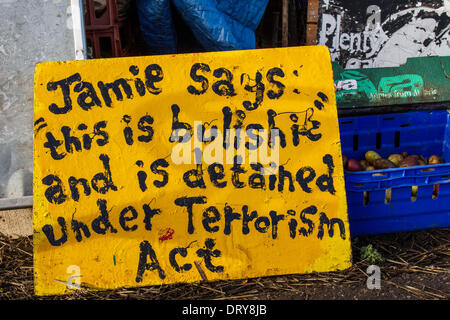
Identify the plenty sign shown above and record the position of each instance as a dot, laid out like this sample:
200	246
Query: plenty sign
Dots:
182	168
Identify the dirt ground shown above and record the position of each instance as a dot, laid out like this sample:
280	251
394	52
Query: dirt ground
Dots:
416	265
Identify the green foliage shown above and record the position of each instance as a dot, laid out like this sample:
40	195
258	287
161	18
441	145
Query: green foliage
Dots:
371	254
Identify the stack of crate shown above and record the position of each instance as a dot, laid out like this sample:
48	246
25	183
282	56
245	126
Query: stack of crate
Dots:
108	32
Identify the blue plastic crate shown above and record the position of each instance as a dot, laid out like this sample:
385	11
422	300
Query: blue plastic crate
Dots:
382	201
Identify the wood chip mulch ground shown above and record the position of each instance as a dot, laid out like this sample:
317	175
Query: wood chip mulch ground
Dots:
414	265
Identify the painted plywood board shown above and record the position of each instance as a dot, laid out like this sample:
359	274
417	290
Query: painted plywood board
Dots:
181	168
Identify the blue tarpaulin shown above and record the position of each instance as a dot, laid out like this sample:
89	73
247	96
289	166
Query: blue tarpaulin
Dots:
217	25
155	19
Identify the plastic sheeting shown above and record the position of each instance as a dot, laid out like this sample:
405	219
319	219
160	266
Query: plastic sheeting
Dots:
155	19
217	25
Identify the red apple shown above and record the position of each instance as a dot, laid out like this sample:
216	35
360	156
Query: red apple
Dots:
354	165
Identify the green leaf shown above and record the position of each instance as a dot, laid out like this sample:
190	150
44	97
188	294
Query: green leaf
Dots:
371	254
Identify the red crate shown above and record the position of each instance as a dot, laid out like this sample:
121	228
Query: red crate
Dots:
109	34
108	17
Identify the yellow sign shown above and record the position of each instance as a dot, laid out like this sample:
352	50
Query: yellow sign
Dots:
182	168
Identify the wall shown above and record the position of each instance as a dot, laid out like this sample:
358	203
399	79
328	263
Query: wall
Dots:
380	33
31	31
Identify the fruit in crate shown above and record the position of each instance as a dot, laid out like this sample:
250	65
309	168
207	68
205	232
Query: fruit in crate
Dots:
434	159
364	164
344	161
409	161
383	164
414	191
388	195
373	161
421	160
395	158
371	156
422	163
354	165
